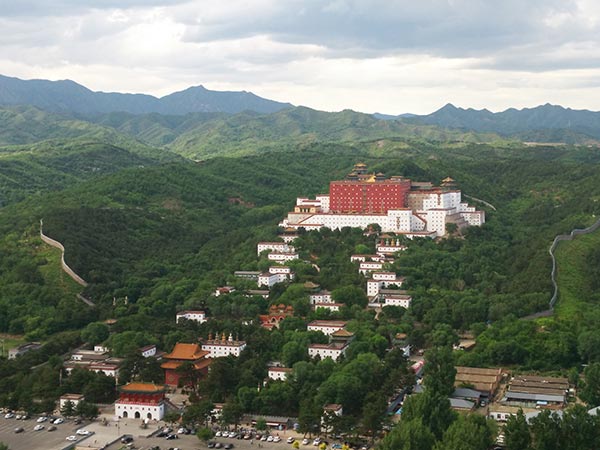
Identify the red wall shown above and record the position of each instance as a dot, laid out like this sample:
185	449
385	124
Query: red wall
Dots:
377	197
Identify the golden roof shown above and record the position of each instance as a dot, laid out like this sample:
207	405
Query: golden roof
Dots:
190	352
141	387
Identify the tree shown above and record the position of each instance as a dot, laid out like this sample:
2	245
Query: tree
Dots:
87	410
545	430
408	435
472	432
68	409
232	413
516	432
439	373
292	352
433	410
261	424
172	417
204	434
590	391
198	412
373	411
95	333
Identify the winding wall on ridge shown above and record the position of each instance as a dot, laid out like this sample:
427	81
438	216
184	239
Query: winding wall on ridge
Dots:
65	266
560	238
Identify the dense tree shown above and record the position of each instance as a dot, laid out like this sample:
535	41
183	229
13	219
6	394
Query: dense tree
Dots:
516	432
471	432
409	435
95	333
590	389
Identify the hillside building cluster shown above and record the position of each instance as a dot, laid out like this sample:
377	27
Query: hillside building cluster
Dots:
395	204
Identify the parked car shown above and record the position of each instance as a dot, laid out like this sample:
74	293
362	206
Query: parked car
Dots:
247	436
83	432
19	429
72	438
52	428
126	439
264	438
317	441
232	434
290	440
211	444
170	437
41	419
276	439
9	415
38	427
228	446
218	445
305	441
58	421
270	439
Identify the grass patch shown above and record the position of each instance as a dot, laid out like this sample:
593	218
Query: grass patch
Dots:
52	271
572	276
8	341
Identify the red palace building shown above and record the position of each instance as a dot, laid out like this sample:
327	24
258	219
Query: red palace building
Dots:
184	353
141	401
367	193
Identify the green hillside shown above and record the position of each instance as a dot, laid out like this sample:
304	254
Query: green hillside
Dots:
578	263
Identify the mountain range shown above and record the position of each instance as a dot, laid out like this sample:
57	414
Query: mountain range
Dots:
200	123
69	97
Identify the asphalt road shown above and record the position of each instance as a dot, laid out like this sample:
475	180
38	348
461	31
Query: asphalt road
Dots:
34	440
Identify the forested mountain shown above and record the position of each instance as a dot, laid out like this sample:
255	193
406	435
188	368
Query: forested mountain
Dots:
69	97
546	123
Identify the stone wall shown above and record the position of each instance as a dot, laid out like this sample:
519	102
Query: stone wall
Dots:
65	266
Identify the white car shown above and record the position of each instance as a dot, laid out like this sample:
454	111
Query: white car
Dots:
290	440
72	438
232	434
305	441
9	415
276	439
264	438
218	434
38	427
270	439
42	419
83	432
317	441
58	421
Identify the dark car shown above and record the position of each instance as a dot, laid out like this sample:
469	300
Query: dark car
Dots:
19	429
170	437
228	446
52	428
210	444
127	439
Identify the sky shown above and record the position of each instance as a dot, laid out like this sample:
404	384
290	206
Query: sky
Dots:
388	56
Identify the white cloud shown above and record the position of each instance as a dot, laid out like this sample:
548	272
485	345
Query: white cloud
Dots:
382	55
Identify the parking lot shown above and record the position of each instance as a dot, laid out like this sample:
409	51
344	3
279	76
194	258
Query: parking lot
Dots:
32	440
191	442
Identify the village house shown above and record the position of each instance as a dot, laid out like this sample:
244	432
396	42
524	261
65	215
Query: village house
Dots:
327	327
333	351
282	257
279	247
276	314
224	290
320	297
333	307
196	316
279	373
220	348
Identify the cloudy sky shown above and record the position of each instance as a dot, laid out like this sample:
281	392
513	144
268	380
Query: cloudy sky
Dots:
390	56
